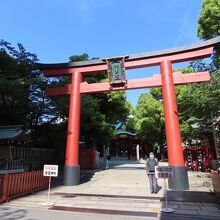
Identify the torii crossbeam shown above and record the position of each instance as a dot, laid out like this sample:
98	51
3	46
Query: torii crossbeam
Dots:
167	79
150	82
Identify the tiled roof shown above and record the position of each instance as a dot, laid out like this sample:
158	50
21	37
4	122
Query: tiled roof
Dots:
122	132
10	132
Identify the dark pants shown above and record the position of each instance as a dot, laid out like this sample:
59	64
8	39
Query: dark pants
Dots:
153	182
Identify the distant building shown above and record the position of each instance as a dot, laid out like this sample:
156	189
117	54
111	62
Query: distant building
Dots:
125	143
17	153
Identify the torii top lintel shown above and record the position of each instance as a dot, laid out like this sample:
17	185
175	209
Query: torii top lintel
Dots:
185	53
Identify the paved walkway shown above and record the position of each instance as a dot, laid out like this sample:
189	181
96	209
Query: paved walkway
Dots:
122	192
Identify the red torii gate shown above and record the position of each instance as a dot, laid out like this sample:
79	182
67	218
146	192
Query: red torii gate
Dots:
167	79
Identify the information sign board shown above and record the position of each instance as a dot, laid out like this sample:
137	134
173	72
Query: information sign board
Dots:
50	170
164	172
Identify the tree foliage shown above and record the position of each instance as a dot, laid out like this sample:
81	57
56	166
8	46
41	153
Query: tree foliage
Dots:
148	119
23	100
208	23
198	103
22	97
209	27
99	112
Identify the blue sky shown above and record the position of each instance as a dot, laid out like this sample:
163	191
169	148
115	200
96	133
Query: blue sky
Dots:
57	29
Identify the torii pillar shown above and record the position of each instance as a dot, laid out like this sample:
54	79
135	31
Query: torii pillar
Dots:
172	127
72	168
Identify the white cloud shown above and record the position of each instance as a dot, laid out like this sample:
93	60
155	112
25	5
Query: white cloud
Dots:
187	28
183	26
86	8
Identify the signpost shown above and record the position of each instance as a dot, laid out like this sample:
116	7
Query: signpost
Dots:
50	170
165	172
138	152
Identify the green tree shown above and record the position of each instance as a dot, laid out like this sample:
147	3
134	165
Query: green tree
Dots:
98	112
149	120
22	96
209	27
198	103
209	23
94	127
209	19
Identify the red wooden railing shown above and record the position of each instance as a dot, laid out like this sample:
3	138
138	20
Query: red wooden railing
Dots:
17	184
87	158
13	185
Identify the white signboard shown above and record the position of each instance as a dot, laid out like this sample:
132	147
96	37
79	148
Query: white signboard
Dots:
50	170
164	172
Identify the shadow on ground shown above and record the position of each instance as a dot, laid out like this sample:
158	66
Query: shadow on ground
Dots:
192	205
13	214
85	176
193	196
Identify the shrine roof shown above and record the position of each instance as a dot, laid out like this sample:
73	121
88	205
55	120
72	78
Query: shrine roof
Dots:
10	132
215	42
122	132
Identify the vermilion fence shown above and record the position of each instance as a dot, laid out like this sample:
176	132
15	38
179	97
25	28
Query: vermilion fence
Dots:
16	184
87	158
13	185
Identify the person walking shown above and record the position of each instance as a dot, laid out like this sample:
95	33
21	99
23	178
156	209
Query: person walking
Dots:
151	163
108	157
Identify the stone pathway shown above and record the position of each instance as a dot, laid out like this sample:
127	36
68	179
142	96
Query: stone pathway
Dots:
123	191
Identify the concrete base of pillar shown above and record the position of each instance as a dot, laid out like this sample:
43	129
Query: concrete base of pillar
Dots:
71	175
180	180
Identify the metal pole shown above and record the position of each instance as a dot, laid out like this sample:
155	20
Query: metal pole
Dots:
166	209
165	191
48	196
138	152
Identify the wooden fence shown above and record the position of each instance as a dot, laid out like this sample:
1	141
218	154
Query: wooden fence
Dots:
13	185
17	184
87	158
24	153
11	166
